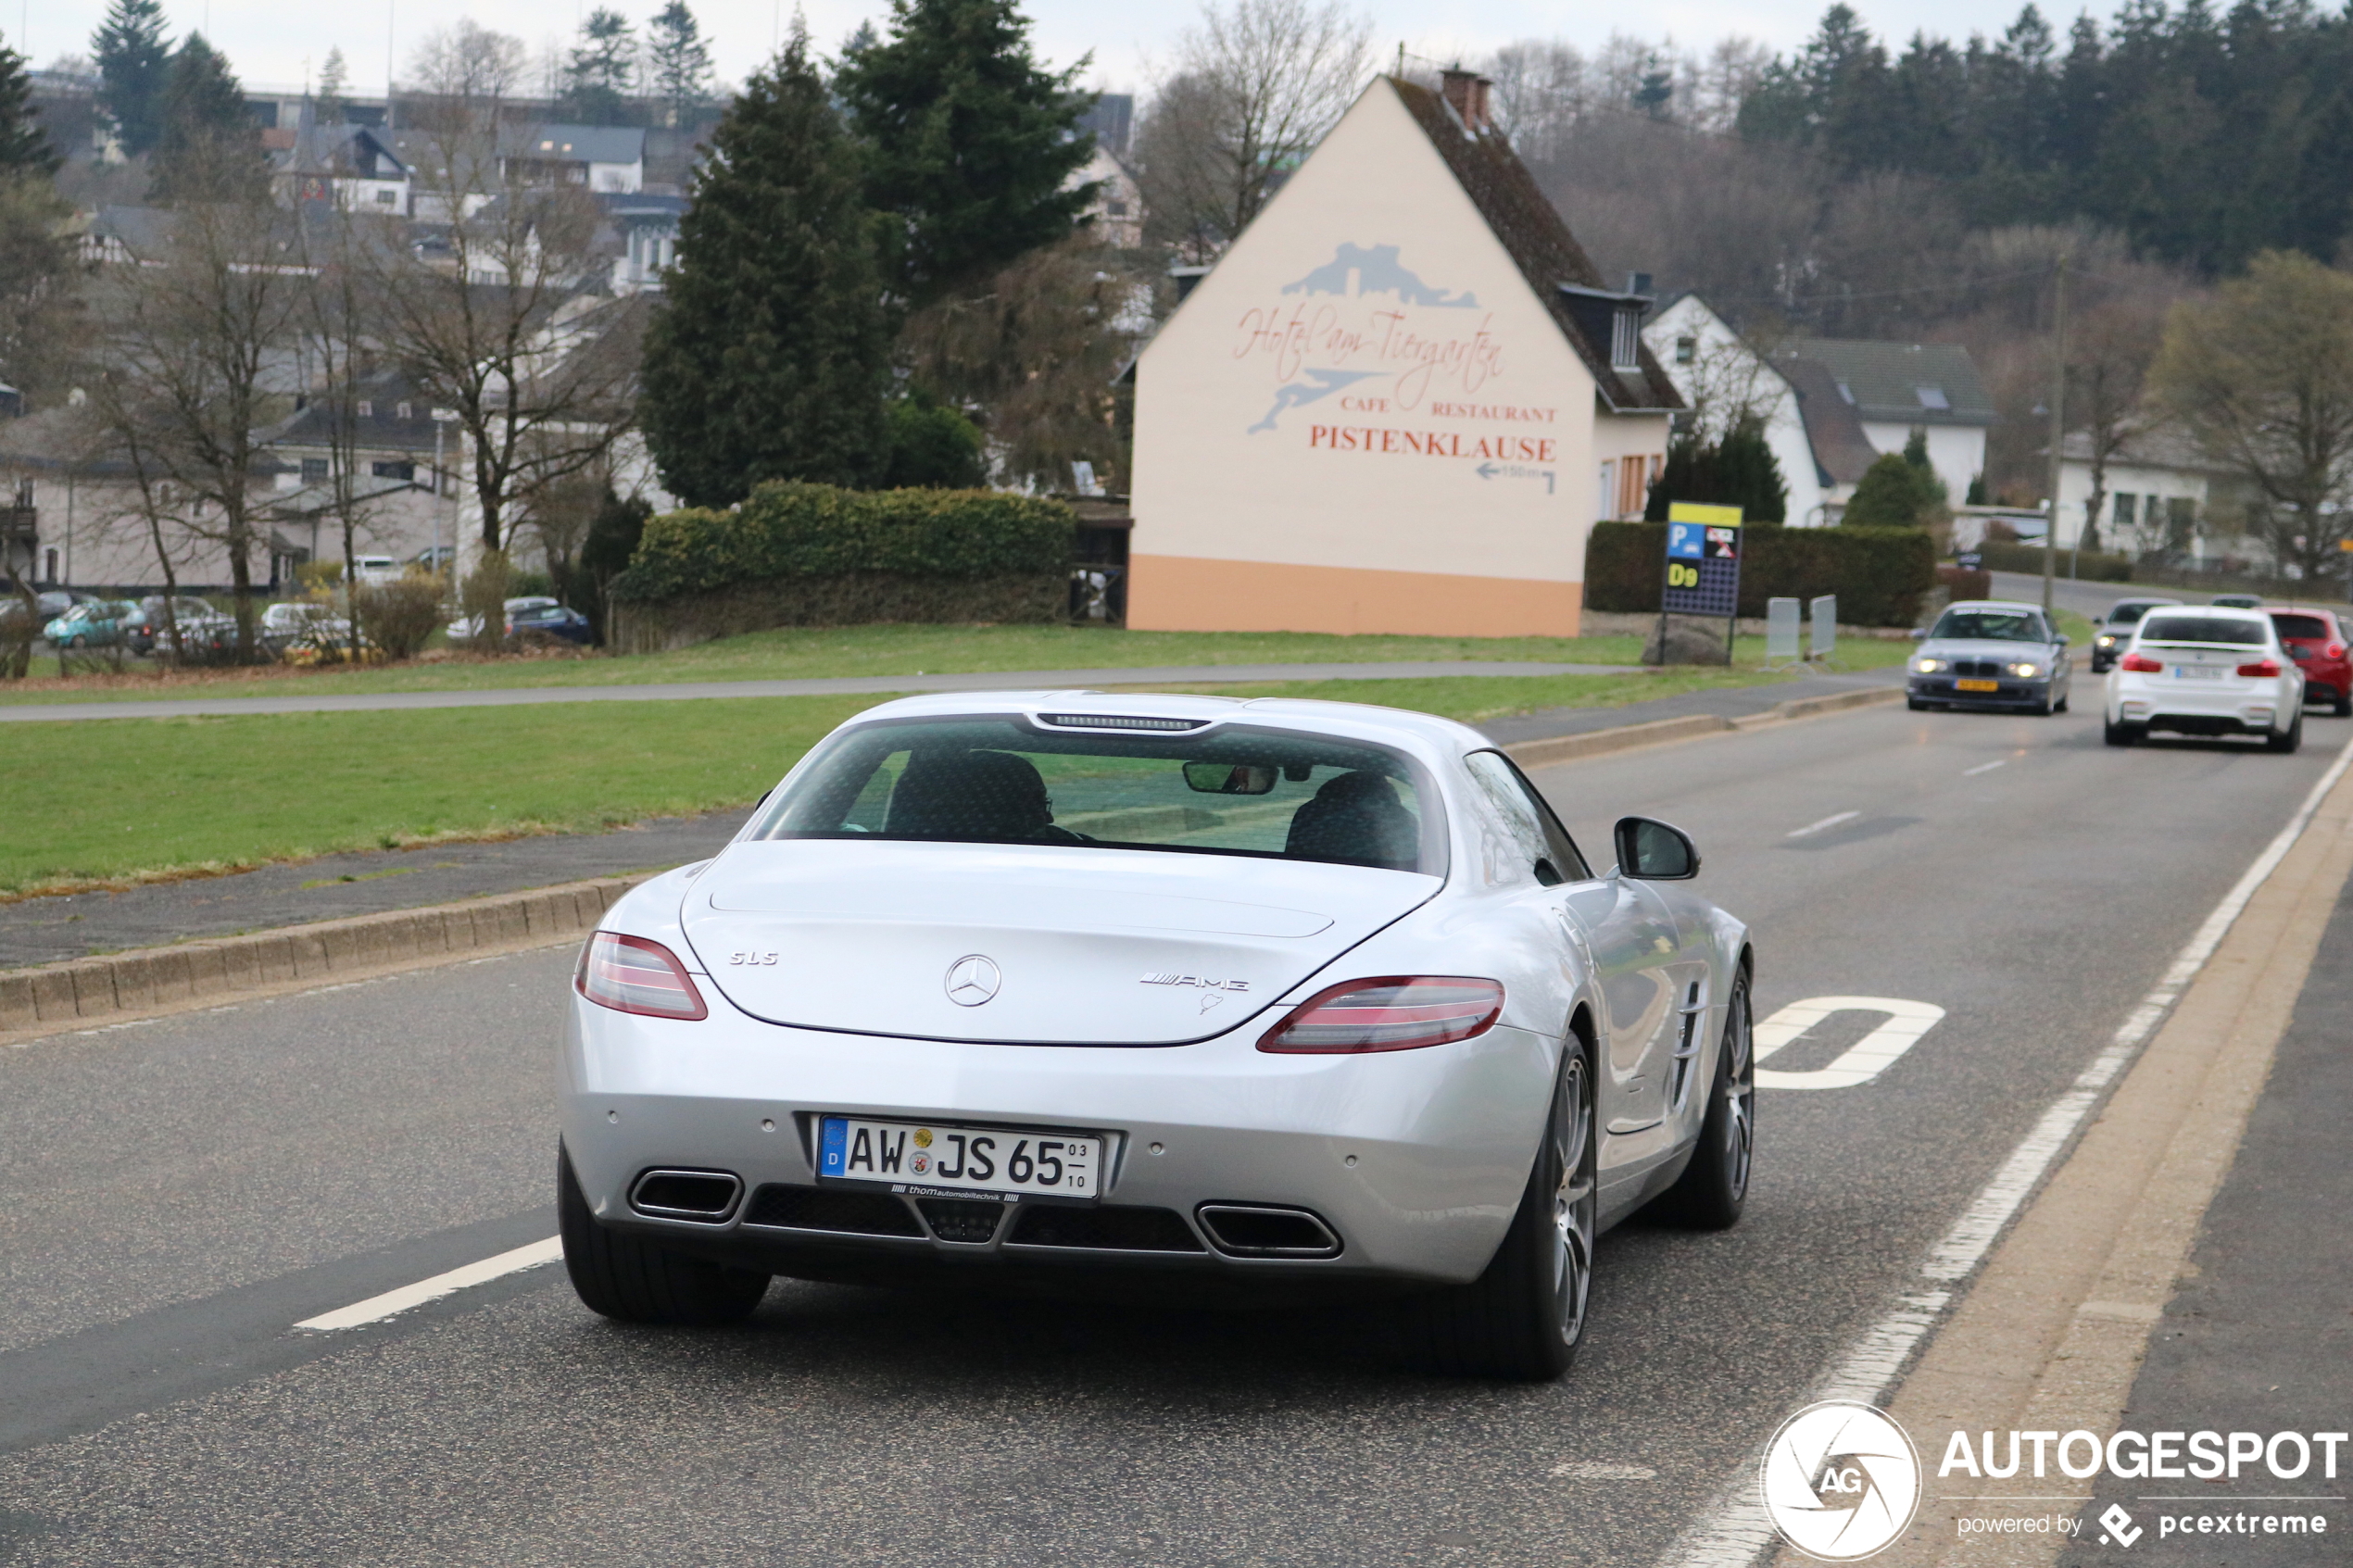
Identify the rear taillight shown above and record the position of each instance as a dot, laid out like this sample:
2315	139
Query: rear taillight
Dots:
2139	663
630	974
2335	650
1393	1012
2261	667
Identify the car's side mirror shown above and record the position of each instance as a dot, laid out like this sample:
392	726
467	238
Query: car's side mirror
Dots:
1920	633
1650	851
2062	639
1228	778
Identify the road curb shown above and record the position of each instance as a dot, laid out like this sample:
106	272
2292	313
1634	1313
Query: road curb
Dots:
149	981
1626	737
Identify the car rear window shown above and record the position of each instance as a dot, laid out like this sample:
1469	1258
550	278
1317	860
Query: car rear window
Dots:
2202	629
2128	613
1272	794
2302	626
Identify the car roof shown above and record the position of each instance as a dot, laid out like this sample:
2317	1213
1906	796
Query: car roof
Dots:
1424	733
1995	604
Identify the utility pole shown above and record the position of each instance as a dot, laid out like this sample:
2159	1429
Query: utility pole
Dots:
2059	434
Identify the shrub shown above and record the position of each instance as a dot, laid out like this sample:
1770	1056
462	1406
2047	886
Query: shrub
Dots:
1880	574
1893	493
792	531
399	616
932	446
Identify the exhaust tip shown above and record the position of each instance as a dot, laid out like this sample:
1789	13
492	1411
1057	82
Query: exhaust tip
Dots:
1257	1230
706	1197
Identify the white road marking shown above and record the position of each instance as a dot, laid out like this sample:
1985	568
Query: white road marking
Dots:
1812	828
1734	1531
375	1309
1984	768
1860	1062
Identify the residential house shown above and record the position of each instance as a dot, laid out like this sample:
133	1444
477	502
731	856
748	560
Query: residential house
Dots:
351	167
1117	211
604	158
2159	492
390	448
1898	388
1400	400
642	238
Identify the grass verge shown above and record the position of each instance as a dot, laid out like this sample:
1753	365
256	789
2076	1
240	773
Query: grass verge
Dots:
109	802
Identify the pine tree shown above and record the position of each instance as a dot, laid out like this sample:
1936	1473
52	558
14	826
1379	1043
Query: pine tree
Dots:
211	148
603	70
332	78
971	142
769	355
24	146
1892	493
678	62
1738	471
134	59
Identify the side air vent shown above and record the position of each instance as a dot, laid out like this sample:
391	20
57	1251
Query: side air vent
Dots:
1120	721
707	1196
1250	1230
1106	1230
825	1208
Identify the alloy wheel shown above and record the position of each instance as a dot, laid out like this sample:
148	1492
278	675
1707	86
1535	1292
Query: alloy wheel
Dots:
1740	1096
1575	1199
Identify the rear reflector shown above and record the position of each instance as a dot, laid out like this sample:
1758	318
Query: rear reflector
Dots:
1395	1012
630	974
2139	663
2261	667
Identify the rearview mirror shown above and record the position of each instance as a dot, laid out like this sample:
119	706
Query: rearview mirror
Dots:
1228	778
1650	851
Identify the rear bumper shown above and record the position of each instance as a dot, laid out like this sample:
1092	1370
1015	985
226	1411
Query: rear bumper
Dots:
1415	1160
2218	707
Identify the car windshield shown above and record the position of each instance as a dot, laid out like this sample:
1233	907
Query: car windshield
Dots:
1266	793
2306	628
2203	628
1989	626
2128	613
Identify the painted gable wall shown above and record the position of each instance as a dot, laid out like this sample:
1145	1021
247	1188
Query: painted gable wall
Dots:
1363	419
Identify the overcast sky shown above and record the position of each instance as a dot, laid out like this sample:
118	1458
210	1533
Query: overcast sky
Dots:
272	41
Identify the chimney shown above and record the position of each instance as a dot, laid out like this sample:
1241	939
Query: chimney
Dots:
1466	92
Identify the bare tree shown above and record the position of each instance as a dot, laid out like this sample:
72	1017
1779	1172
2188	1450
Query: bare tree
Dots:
2110	346
2261	377
468	63
1255	86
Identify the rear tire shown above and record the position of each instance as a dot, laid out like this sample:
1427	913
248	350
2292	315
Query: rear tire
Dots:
2286	745
630	1279
1525	1317
1712	1188
2123	735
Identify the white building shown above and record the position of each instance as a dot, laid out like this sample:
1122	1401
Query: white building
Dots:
1398	402
350	165
2156	493
608	160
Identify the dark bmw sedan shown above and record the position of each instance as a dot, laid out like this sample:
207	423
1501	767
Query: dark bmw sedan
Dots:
1990	653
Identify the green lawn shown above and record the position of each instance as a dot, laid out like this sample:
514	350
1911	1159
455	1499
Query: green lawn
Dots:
100	801
797	653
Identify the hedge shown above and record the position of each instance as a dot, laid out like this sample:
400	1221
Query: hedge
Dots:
2091	567
1881	575
788	531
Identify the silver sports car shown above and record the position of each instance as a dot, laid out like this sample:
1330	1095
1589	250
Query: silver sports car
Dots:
1253	991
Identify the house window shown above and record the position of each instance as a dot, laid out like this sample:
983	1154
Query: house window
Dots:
1686	350
24	494
1605	496
1633	485
2126	504
394	470
402	409
314	470
386	198
1933	397
1625	340
366	410
2181	515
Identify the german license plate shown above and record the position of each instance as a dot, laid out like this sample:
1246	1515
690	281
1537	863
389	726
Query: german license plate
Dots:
2198	671
1977	685
967	1159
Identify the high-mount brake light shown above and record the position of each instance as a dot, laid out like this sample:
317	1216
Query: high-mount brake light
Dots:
630	974
2139	663
1390	1012
2261	668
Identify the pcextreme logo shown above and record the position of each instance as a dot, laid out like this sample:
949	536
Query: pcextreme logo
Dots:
1841	1481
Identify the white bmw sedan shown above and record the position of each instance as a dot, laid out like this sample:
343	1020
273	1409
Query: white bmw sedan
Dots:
2206	670
1252	992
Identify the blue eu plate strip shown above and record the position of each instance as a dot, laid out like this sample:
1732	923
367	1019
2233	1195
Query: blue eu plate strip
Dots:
832	1144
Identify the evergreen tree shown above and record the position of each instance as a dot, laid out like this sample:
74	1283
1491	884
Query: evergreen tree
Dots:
211	149
603	70
678	62
768	357
1738	471
332	78
24	146
134	59
1892	493
971	142
933	447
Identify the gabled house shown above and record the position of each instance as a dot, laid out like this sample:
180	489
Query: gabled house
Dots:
351	167
604	158
1896	388
1400	400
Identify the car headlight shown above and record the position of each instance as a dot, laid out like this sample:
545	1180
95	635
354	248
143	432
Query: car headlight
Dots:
2106	641
1927	666
2026	670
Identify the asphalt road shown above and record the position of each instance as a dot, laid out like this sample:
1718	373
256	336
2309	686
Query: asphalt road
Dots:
174	1196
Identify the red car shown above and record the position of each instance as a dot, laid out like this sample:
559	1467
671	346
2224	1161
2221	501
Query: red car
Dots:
2316	640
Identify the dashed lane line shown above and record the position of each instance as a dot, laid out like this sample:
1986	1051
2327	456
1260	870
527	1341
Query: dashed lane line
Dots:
1810	829
1984	768
376	1309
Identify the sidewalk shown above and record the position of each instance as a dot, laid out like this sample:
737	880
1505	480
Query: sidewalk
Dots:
2259	1335
73	925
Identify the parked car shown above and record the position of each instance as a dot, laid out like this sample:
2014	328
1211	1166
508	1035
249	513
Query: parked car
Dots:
2238	601
955	999
148	627
434	557
2205	670
94	623
534	612
374	572
2316	640
1990	653
2109	638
